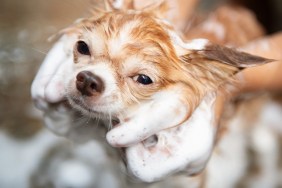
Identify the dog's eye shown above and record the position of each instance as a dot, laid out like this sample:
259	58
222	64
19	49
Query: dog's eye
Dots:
82	48
143	79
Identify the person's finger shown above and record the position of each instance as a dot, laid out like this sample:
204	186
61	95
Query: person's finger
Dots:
165	112
48	71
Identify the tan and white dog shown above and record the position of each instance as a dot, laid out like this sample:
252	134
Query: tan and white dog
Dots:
158	94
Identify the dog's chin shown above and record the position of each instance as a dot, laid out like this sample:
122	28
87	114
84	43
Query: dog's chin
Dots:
80	105
99	111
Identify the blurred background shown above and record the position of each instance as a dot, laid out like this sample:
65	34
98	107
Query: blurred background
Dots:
24	143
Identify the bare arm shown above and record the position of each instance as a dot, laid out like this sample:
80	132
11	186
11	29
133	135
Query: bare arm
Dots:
266	77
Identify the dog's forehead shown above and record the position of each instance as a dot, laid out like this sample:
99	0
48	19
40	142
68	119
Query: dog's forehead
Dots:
121	34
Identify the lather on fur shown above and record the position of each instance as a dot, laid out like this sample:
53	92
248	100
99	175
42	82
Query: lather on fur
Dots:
168	125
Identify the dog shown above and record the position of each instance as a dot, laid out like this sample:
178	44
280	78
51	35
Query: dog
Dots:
139	65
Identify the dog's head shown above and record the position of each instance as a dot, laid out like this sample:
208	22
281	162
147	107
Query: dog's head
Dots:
120	59
124	60
126	57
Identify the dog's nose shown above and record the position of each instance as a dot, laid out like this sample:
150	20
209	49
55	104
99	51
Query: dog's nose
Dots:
89	84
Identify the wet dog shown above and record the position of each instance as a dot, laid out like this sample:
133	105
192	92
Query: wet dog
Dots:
132	71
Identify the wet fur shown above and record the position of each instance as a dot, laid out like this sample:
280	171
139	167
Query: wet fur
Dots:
198	71
192	72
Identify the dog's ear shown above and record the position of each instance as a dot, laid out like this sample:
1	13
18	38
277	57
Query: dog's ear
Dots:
159	9
203	51
156	7
111	5
228	56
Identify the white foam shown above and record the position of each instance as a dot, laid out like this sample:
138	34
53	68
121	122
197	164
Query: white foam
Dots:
195	44
185	149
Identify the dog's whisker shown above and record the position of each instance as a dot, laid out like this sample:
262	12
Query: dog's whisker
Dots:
40	51
50	75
